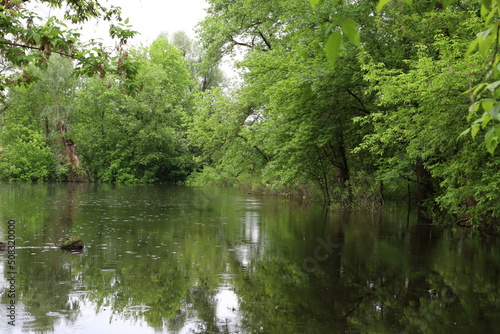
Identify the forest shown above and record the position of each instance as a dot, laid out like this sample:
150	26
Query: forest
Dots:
349	103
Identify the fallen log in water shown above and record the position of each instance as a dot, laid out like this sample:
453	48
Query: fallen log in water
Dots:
70	243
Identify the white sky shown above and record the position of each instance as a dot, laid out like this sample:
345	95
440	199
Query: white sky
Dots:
149	17
152	17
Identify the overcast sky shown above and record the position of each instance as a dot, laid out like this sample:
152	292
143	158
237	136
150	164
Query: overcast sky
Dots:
149	17
152	17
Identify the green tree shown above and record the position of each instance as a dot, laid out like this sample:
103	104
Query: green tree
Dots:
217	137
304	106
56	91
45	108
26	38
26	156
422	110
484	109
140	137
204	70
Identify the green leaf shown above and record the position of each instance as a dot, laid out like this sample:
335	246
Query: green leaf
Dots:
473	108
485	119
381	5
493	112
490	15
465	132
487	104
486	3
332	47
478	88
492	145
484	46
491	140
474	129
484	11
37	38
350	28
493	86
314	3
472	47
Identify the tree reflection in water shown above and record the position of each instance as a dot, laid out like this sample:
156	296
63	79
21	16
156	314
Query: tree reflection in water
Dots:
208	260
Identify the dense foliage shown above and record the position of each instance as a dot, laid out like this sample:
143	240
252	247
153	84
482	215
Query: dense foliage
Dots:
385	119
97	132
382	115
28	38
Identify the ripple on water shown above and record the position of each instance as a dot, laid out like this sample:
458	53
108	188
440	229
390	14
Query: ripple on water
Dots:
135	309
54	314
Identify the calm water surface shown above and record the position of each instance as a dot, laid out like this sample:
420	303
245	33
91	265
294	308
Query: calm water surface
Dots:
165	259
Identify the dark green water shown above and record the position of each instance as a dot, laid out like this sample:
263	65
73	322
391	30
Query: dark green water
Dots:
206	260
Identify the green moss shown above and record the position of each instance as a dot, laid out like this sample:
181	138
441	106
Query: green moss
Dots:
71	242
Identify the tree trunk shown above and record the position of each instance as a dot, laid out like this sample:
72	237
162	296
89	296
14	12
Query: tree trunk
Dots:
345	175
424	187
76	173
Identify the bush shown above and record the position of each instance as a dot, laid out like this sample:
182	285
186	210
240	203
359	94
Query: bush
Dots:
25	156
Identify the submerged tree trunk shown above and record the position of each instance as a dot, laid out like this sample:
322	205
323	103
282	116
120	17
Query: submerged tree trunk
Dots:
424	187
345	174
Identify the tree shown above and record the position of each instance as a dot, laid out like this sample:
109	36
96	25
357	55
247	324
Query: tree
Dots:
204	70
422	110
484	95
27	157
304	106
57	87
385	112
137	138
45	107
120	137
217	138
26	38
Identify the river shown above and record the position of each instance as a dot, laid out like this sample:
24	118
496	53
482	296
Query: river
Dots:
163	259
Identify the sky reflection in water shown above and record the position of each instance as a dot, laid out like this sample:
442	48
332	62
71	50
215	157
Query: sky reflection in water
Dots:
205	260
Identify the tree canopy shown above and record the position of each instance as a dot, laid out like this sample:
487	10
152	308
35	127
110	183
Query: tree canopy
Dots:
27	38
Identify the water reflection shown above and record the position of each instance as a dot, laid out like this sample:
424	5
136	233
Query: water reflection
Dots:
227	311
250	226
205	260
